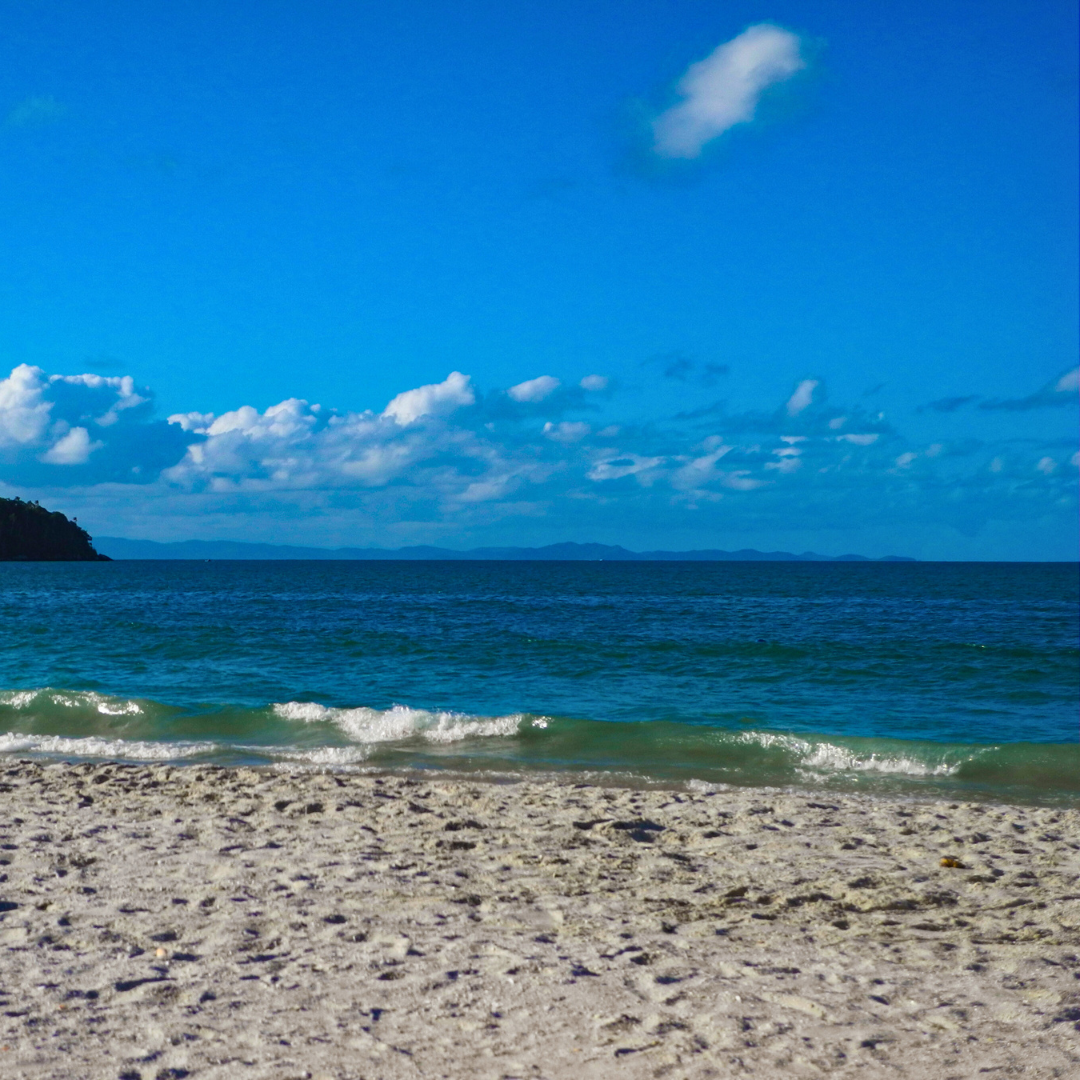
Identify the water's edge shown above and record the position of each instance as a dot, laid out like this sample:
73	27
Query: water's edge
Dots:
86	725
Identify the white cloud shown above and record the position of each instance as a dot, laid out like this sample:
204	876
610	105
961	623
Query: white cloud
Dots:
594	382
789	460
741	480
421	466
74	448
120	388
803	396
625	465
50	417
701	470
436	399
534	389
1069	382
724	89
24	411
569	431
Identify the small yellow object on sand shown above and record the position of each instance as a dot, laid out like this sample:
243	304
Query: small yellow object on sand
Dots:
160	952
956	864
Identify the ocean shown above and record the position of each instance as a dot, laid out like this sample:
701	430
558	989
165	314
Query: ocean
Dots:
943	679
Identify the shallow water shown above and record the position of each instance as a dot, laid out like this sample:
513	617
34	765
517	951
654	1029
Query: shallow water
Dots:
959	678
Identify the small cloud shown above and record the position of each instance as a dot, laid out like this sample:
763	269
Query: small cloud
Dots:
904	460
594	382
867	439
1046	465
36	111
803	396
789	459
627	465
534	389
567	432
1069	383
436	399
724	89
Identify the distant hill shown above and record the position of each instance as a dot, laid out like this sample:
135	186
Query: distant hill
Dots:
30	533
119	548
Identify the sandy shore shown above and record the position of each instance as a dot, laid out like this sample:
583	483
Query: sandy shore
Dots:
219	923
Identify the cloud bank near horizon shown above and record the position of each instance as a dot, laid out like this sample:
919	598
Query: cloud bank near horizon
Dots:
725	88
448	459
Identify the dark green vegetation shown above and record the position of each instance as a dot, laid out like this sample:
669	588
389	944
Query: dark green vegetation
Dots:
29	532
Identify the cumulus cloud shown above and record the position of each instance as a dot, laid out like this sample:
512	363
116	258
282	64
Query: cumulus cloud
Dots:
24	410
444	457
437	399
594	382
724	89
71	449
535	389
91	427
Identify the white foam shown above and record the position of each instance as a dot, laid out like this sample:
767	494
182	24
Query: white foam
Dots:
81	699
18	699
704	787
829	757
399	722
95	747
838	758
327	756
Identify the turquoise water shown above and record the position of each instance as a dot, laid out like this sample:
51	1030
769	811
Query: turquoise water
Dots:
944	678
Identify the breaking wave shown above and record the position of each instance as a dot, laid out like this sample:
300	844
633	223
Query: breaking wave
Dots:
399	722
70	724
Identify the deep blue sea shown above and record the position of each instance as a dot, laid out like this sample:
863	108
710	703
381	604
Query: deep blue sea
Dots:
956	679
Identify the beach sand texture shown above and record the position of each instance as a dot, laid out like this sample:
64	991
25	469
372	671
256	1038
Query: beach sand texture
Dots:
213	923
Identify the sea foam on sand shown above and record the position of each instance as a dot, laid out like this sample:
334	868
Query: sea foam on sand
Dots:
205	922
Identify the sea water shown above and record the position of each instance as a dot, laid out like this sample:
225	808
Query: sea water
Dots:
956	679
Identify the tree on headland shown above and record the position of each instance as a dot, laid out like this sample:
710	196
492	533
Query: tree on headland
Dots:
29	532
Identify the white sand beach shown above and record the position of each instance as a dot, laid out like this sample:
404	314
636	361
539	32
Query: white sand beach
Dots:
221	923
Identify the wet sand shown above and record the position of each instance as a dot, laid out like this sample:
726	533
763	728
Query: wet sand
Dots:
163	922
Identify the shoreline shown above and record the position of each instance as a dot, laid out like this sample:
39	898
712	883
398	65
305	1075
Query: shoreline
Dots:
208	921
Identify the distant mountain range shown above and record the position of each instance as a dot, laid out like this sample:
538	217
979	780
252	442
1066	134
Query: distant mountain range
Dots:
118	548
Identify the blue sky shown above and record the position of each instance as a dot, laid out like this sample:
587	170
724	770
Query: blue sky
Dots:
819	260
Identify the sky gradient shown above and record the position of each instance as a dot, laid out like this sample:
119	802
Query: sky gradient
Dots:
815	263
